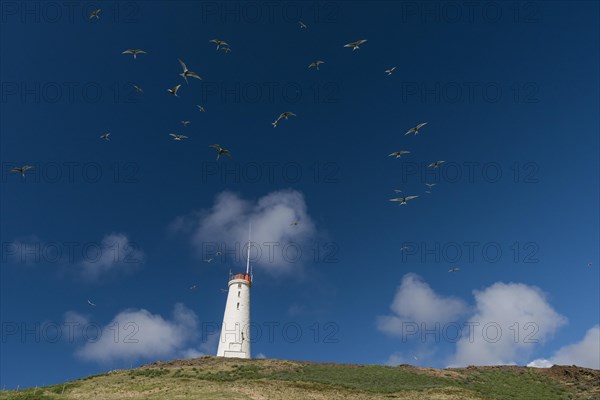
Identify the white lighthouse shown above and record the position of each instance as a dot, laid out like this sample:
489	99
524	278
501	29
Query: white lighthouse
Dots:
235	331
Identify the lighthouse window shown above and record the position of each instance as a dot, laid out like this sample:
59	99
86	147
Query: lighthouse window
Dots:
239	294
238	306
239	285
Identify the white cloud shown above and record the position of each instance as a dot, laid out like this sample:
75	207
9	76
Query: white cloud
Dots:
207	347
540	363
191	353
277	247
523	315
416	303
139	334
585	353
116	254
396	359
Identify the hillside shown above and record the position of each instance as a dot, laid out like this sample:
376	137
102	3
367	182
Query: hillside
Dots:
223	378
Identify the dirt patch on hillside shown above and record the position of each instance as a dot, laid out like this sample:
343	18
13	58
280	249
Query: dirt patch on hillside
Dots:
572	374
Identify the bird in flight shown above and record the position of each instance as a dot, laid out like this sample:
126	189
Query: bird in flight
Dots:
226	49
193	287
403	200
185	123
134	52
200	108
454	270
95	14
399	154
22	169
186	72
590	264
316	64
219	43
138	89
430	185
218	253
220	151
390	71
415	130
208	260
174	90
436	164
105	136
302	25
91	304
355	45
295	223
223	290
284	115
404	248
397	190
177	137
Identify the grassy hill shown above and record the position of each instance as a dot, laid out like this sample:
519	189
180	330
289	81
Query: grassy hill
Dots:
226	378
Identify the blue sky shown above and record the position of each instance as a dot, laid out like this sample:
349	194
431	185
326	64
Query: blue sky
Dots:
510	93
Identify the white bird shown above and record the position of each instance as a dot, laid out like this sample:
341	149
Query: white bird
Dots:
105	136
208	260
415	130
95	13
177	137
185	123
223	290
174	90
193	287
138	89
355	45
220	151
226	49
302	25
397	190
404	248
390	71
454	270
186	72
219	43
403	200
399	154
436	164
200	108
284	115
22	169
430	185
295	223
90	303
415	358
218	253
134	52
316	64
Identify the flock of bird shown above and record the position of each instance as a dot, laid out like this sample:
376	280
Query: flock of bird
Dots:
398	154
225	47
187	73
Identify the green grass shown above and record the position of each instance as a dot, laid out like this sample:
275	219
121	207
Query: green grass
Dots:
213	378
370	378
507	385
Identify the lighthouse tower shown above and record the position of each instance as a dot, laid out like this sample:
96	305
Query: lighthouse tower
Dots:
235	331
